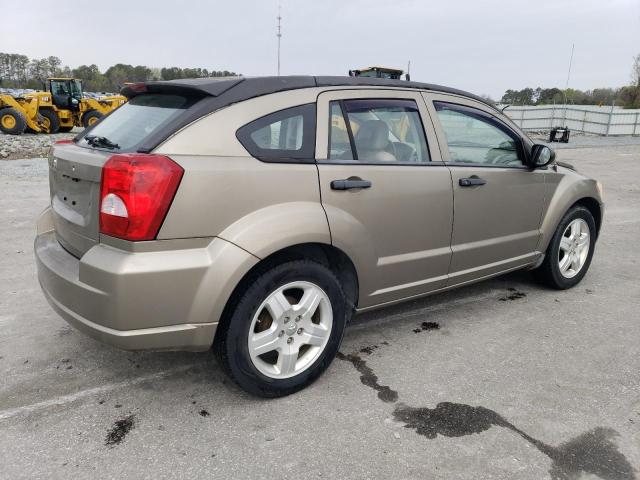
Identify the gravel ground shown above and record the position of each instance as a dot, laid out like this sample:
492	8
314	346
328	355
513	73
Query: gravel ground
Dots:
499	380
30	145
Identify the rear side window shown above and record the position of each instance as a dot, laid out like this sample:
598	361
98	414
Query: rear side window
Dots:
286	135
134	121
377	130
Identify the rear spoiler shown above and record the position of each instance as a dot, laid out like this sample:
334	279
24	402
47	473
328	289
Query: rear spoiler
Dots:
197	86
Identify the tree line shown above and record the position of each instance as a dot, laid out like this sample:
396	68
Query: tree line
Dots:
627	96
19	71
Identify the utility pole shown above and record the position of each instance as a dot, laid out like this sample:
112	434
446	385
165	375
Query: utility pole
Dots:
279	34
566	87
573	45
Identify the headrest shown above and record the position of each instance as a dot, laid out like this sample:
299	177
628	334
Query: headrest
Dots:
372	135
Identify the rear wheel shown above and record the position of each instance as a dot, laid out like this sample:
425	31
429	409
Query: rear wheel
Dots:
570	251
50	120
285	329
91	118
12	122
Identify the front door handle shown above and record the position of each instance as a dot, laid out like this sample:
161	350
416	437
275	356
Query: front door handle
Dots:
349	183
472	181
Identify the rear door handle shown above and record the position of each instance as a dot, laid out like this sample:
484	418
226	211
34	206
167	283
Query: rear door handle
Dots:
348	184
472	181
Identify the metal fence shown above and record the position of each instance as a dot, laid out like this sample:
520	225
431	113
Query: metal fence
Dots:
605	120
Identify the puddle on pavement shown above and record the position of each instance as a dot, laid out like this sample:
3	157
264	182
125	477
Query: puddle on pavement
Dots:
592	452
368	378
447	419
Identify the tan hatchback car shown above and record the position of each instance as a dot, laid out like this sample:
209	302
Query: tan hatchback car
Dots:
255	215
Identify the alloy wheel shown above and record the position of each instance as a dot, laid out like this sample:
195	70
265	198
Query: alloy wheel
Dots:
574	248
290	330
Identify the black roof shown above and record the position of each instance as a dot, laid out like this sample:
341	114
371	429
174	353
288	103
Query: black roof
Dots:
236	89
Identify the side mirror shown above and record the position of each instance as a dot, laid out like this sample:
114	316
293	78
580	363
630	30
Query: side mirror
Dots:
541	156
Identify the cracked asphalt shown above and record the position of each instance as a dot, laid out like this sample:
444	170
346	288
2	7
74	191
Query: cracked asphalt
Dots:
499	380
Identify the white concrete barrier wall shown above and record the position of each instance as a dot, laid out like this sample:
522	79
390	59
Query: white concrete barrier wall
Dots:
579	118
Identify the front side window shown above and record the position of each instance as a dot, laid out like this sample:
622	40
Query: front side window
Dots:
286	135
475	137
377	130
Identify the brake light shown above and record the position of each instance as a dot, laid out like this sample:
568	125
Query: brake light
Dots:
139	87
136	192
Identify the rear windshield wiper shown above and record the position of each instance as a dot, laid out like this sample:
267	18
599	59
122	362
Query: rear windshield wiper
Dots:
97	141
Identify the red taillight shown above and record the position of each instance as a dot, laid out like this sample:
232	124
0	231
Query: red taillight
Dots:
139	87
136	192
64	141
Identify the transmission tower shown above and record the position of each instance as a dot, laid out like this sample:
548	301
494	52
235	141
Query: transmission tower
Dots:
279	34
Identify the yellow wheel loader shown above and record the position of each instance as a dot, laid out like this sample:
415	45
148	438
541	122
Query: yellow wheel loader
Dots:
378	72
59	108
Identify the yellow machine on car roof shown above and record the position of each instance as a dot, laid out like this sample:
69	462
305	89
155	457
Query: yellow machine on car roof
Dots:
377	72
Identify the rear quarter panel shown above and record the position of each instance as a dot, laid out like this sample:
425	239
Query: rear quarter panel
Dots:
259	206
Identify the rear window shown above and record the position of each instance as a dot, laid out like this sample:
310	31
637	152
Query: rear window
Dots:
285	136
144	114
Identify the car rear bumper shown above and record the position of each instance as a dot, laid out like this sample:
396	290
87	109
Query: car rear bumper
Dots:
155	300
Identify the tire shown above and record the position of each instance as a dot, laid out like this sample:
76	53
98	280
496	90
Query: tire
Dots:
264	375
91	118
65	129
50	119
12	122
550	272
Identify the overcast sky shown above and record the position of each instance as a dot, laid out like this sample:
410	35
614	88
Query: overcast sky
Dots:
484	46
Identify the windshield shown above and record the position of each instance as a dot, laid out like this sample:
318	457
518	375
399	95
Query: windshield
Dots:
134	121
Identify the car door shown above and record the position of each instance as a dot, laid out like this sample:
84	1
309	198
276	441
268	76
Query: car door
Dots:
498	200
387	194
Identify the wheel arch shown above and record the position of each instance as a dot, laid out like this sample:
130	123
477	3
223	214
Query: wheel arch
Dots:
555	215
325	254
594	207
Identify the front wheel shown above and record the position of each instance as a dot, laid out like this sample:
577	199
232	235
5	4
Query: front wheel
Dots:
91	118
50	120
570	251
285	330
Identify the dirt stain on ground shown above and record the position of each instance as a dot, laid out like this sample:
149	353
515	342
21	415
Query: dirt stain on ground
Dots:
119	430
424	326
204	413
368	378
369	349
514	294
